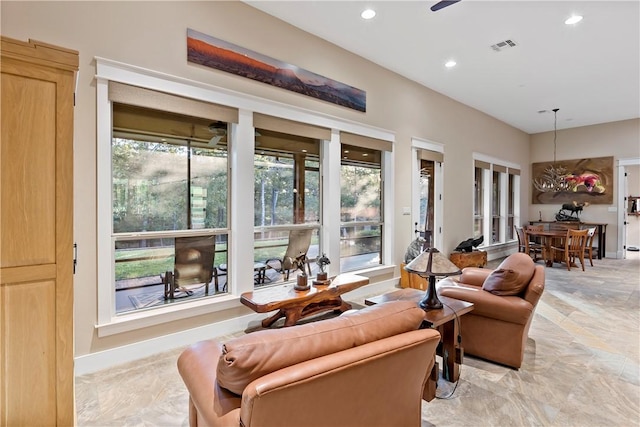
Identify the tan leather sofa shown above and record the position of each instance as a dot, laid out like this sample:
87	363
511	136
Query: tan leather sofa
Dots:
504	302
364	368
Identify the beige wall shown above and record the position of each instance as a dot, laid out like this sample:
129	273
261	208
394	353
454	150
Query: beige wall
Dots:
618	139
152	35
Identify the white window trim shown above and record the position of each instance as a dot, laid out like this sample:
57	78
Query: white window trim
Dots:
241	158
487	181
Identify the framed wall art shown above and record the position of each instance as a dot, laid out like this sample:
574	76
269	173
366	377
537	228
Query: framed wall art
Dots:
566	181
221	55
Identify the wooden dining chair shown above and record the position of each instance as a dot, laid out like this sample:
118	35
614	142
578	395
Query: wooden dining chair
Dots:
588	249
574	245
526	245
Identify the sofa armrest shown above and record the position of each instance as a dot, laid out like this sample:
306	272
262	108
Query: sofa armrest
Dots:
214	405
511	309
474	276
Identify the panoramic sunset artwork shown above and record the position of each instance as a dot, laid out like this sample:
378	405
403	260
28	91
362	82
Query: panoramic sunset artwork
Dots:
221	55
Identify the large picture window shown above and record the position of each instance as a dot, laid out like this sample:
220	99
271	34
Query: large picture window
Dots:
178	171
169	175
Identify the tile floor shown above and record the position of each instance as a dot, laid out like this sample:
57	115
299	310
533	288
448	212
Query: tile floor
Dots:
581	367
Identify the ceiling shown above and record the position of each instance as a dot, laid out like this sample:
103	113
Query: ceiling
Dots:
589	70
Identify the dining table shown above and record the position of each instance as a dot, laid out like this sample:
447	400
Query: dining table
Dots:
547	237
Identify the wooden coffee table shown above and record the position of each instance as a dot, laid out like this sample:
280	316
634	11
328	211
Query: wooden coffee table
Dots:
444	319
294	305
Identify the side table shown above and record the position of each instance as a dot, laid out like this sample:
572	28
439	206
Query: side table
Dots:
294	305
444	319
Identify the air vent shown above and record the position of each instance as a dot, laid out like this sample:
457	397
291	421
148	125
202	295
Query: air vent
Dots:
503	45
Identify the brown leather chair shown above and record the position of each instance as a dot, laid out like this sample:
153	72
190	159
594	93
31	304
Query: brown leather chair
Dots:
504	302
364	368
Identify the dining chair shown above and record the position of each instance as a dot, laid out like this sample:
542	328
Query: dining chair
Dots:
588	249
526	245
574	247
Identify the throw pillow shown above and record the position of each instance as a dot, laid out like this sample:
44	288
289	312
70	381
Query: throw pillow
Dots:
511	277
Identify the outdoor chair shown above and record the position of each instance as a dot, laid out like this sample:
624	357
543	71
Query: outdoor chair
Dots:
299	242
193	266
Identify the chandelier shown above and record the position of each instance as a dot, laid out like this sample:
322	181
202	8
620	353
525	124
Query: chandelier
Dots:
554	177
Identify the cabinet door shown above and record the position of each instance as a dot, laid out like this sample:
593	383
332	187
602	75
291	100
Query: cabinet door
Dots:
36	254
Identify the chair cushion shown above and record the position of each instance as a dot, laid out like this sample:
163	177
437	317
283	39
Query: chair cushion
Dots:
254	355
511	277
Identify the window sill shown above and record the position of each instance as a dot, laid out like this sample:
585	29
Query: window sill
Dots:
137	320
374	271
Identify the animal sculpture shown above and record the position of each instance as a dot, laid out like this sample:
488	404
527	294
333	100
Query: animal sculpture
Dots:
574	210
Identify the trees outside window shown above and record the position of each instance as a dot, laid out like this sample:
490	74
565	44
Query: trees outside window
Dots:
167	181
361	199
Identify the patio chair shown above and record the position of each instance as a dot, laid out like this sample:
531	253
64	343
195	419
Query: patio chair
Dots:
193	266
299	242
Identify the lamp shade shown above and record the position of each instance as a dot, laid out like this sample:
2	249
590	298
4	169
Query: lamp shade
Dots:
431	262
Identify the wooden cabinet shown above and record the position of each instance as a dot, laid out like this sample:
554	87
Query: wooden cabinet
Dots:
36	239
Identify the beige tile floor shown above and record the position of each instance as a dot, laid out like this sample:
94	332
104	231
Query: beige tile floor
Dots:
581	367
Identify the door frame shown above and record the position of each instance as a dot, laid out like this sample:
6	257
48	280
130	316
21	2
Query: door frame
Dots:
418	144
622	205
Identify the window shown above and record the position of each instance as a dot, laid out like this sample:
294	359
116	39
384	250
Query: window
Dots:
360	208
169	178
478	201
496	201
287	193
176	169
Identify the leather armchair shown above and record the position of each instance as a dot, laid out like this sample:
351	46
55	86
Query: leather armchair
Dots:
364	368
498	327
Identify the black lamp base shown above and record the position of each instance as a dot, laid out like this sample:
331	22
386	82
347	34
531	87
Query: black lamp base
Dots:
430	300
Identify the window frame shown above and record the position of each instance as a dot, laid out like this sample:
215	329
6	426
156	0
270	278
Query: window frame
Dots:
241	192
504	169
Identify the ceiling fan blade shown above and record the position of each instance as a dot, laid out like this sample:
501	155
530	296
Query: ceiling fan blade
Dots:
441	4
215	140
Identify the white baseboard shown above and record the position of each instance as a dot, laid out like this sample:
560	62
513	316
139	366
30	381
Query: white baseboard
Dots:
115	356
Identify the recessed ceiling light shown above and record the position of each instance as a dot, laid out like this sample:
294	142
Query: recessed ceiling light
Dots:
450	64
368	13
573	20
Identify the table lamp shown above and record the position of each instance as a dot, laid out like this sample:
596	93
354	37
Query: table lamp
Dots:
430	264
